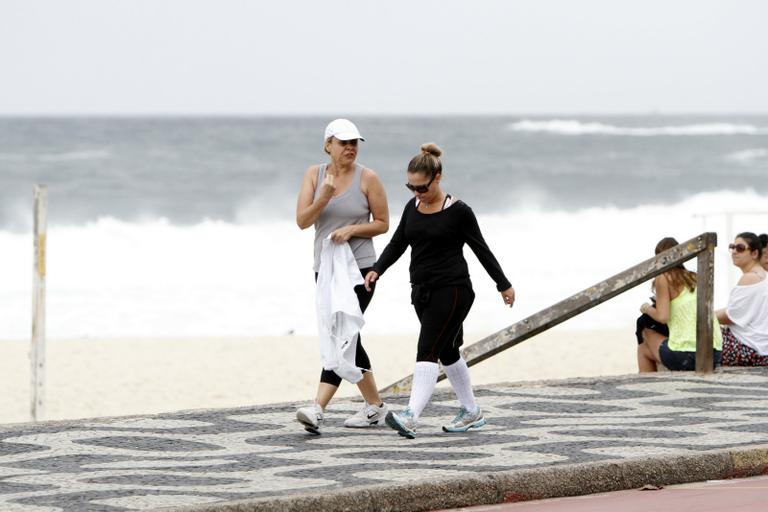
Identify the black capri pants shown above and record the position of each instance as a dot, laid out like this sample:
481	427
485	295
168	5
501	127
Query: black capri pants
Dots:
441	312
361	357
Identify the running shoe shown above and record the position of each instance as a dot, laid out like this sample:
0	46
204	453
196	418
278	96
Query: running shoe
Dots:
311	417
369	415
403	422
466	420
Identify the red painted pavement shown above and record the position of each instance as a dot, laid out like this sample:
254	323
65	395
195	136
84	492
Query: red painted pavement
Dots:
738	495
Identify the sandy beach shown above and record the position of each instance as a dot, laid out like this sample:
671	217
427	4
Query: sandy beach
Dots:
112	377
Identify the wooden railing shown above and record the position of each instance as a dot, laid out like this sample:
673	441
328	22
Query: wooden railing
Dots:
701	247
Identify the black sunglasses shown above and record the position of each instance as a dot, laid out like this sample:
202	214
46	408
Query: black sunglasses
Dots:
737	247
421	189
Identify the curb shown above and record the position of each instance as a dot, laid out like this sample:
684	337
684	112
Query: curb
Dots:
514	486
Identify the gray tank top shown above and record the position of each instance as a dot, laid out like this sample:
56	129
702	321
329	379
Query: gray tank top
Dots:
349	208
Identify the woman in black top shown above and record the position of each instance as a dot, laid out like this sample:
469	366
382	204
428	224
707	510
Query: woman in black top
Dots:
436	226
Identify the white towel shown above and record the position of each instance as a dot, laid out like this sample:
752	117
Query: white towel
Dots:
339	318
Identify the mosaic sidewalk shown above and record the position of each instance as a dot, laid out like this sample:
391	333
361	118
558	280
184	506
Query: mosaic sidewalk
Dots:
213	456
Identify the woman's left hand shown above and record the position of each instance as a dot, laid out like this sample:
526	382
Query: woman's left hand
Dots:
370	278
342	235
508	296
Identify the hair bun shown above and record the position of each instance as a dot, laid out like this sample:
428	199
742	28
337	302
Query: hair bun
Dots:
432	149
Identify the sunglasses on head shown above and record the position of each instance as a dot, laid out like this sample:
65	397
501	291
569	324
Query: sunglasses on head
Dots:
421	189
737	247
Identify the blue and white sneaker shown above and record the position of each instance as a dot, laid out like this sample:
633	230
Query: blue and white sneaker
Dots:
403	422
466	420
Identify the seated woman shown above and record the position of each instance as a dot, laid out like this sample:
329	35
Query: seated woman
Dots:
745	335
675	306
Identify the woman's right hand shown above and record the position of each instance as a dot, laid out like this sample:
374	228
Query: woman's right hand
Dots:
370	277
312	201
327	188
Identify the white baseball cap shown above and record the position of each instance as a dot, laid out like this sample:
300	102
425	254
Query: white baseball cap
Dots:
342	129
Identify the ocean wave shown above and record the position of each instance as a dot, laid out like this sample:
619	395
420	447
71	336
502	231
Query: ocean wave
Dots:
73	156
12	157
747	156
574	127
214	278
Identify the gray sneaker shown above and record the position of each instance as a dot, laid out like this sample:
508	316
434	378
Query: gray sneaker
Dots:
403	422
466	420
368	416
311	417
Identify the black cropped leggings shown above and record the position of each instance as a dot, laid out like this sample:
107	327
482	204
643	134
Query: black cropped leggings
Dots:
361	357
441	312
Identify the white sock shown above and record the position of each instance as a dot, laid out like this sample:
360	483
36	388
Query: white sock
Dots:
424	381
458	375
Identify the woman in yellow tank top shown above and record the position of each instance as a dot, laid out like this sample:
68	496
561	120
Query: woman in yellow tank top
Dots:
675	306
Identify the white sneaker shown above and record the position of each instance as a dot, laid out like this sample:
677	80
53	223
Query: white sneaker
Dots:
311	417
368	416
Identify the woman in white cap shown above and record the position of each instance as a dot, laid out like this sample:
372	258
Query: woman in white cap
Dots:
346	202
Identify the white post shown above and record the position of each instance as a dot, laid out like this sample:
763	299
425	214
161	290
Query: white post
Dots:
37	352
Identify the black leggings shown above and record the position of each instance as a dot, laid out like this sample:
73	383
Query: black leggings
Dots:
441	312
361	358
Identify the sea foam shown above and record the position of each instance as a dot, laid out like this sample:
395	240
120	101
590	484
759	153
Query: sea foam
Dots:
574	127
748	156
154	278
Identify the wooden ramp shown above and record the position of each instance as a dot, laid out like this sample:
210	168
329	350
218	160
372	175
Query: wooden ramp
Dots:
701	247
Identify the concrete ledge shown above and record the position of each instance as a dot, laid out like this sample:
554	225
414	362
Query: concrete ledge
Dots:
514	486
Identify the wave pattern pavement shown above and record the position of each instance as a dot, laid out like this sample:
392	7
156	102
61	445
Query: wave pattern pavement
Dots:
194	458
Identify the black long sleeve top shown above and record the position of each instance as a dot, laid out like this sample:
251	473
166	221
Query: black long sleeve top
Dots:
436	242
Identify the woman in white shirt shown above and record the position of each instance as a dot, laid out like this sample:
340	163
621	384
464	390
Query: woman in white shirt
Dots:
745	319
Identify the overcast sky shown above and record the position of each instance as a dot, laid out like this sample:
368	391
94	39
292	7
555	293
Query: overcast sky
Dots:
389	56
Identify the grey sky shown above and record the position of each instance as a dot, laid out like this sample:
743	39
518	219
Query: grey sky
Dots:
393	57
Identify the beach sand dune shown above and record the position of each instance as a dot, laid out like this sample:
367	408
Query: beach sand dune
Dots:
114	377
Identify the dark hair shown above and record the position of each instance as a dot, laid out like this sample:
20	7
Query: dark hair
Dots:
666	243
428	161
763	240
678	276
753	241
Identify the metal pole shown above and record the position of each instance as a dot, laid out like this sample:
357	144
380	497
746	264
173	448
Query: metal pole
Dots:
729	236
37	352
705	278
